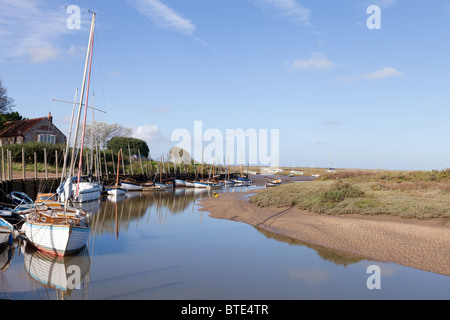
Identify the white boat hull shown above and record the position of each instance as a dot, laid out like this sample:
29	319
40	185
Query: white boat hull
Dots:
116	192
6	231
180	183
190	184
238	182
87	192
5	235
132	186
56	239
200	184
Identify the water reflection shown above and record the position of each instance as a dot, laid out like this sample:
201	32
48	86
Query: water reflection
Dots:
150	245
113	214
337	257
63	274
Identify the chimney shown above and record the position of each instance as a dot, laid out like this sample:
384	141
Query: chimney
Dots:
50	118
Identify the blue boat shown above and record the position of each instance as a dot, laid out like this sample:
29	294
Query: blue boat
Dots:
242	181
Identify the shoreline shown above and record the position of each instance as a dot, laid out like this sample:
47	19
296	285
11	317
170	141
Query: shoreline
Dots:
419	244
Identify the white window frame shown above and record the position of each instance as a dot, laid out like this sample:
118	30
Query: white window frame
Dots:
47	138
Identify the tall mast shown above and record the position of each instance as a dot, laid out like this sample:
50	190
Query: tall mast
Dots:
88	59
66	154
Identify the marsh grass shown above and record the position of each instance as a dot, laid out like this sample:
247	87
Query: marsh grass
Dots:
420	195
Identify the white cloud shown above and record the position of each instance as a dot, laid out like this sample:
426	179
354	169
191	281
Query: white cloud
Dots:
288	8
165	109
150	134
31	30
385	72
317	61
42	54
163	16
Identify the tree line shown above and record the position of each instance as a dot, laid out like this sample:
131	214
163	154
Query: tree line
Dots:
111	137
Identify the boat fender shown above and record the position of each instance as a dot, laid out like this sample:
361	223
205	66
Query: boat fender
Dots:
10	239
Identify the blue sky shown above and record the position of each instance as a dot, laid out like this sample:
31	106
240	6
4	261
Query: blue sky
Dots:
312	69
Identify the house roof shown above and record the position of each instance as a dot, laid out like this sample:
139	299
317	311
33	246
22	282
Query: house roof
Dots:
18	128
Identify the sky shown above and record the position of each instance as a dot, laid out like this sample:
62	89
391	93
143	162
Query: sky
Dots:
341	85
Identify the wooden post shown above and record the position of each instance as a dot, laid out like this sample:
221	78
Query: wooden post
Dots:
151	165
123	163
23	165
10	176
35	166
3	175
131	163
112	158
56	163
100	171
87	165
45	163
140	161
106	166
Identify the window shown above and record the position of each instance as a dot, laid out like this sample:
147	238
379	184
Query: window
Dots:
46	138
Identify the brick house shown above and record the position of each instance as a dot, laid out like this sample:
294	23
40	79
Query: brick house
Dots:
39	129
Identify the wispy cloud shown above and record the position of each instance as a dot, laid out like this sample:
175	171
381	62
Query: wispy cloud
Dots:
30	30
385	72
287	8
165	109
317	61
163	16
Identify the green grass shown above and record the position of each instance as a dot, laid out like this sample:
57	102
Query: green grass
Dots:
420	195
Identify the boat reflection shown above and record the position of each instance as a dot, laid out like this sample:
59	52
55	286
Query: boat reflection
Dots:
64	274
115	214
5	256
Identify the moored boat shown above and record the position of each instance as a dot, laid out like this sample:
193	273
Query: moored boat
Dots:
116	191
180	183
131	186
6	232
59	231
240	181
273	183
190	184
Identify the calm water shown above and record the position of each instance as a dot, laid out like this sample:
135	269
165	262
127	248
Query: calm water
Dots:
158	245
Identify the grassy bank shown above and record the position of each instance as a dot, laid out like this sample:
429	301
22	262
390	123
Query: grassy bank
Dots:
418	194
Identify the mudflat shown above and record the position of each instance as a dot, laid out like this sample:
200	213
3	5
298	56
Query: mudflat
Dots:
420	244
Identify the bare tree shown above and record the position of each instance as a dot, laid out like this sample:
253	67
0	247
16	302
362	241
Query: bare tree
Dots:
99	133
6	103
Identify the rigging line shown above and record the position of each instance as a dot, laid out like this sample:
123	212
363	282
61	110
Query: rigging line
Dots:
99	62
72	52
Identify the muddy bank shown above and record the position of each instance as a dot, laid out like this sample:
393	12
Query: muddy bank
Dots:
420	244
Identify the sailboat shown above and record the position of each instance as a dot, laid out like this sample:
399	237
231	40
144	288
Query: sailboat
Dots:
276	182
74	188
61	230
241	181
117	190
57	230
